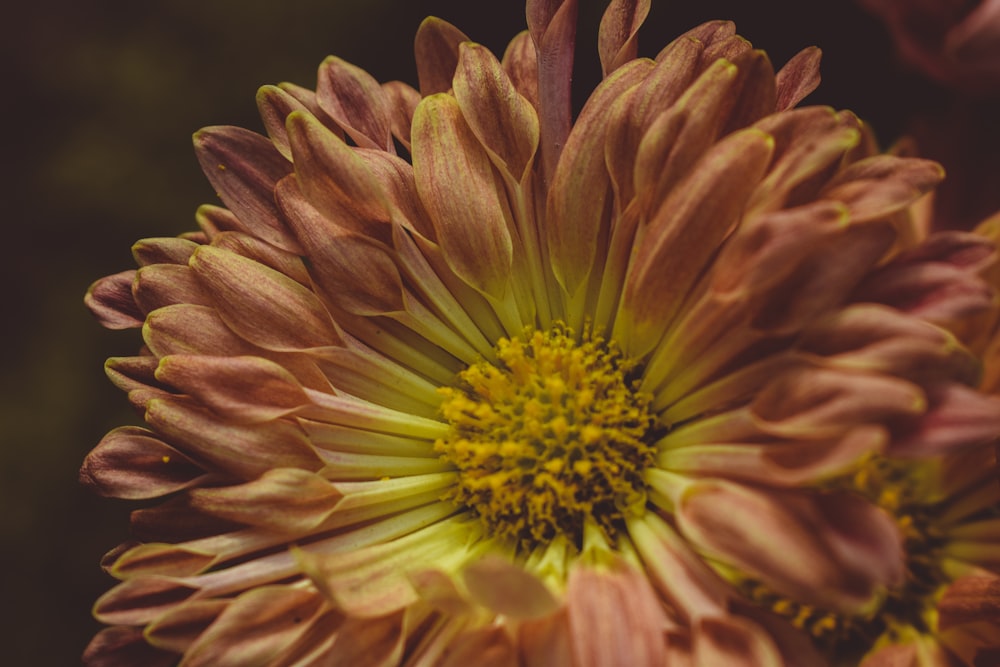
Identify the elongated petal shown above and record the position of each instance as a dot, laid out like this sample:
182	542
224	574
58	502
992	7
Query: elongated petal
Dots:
356	102
334	178
337	254
286	500
178	629
552	24
254	628
436	48
374	643
403	100
163	251
577	204
248	389
616	41
244	451
121	646
167	284
457	184
798	78
257	302
141	600
696	217
614	616
774	535
489	647
162	559
503	121
243	167
110	300
133	463
969	600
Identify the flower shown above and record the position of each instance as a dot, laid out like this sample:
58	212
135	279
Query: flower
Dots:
636	389
954	42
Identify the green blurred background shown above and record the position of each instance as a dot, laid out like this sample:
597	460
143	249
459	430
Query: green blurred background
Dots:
99	104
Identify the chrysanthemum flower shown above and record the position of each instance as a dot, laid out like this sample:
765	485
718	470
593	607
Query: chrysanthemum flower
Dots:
954	42
454	380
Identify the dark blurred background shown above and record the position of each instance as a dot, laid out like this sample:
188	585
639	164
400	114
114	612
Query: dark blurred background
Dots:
100	101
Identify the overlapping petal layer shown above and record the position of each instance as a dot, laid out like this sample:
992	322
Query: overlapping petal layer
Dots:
751	261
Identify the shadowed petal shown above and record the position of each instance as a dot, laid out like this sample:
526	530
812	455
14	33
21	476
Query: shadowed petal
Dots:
837	550
254	628
130	462
356	102
617	39
110	300
286	500
436	49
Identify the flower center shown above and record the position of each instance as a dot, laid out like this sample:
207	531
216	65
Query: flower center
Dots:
550	438
893	486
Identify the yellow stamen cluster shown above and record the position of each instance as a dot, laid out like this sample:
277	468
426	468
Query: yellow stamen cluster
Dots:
549	438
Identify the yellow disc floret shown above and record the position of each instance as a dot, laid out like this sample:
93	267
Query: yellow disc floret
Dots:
552	436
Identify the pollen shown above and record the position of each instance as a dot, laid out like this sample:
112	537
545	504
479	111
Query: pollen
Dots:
553	436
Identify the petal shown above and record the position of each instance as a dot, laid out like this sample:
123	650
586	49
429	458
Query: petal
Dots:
110	300
247	389
141	600
170	560
616	41
436	49
798	78
337	253
503	121
733	641
483	647
957	417
122	646
162	285
284	500
244	451
403	100
335	179
682	576
457	184
369	643
254	628
818	403
163	251
178	629
696	216
835	551
970	599
130	462
508	589
355	100
243	167
552	24
257	302
577	204
878	186
521	64
614	618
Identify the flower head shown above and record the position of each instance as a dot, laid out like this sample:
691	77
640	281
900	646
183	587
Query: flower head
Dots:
455	377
